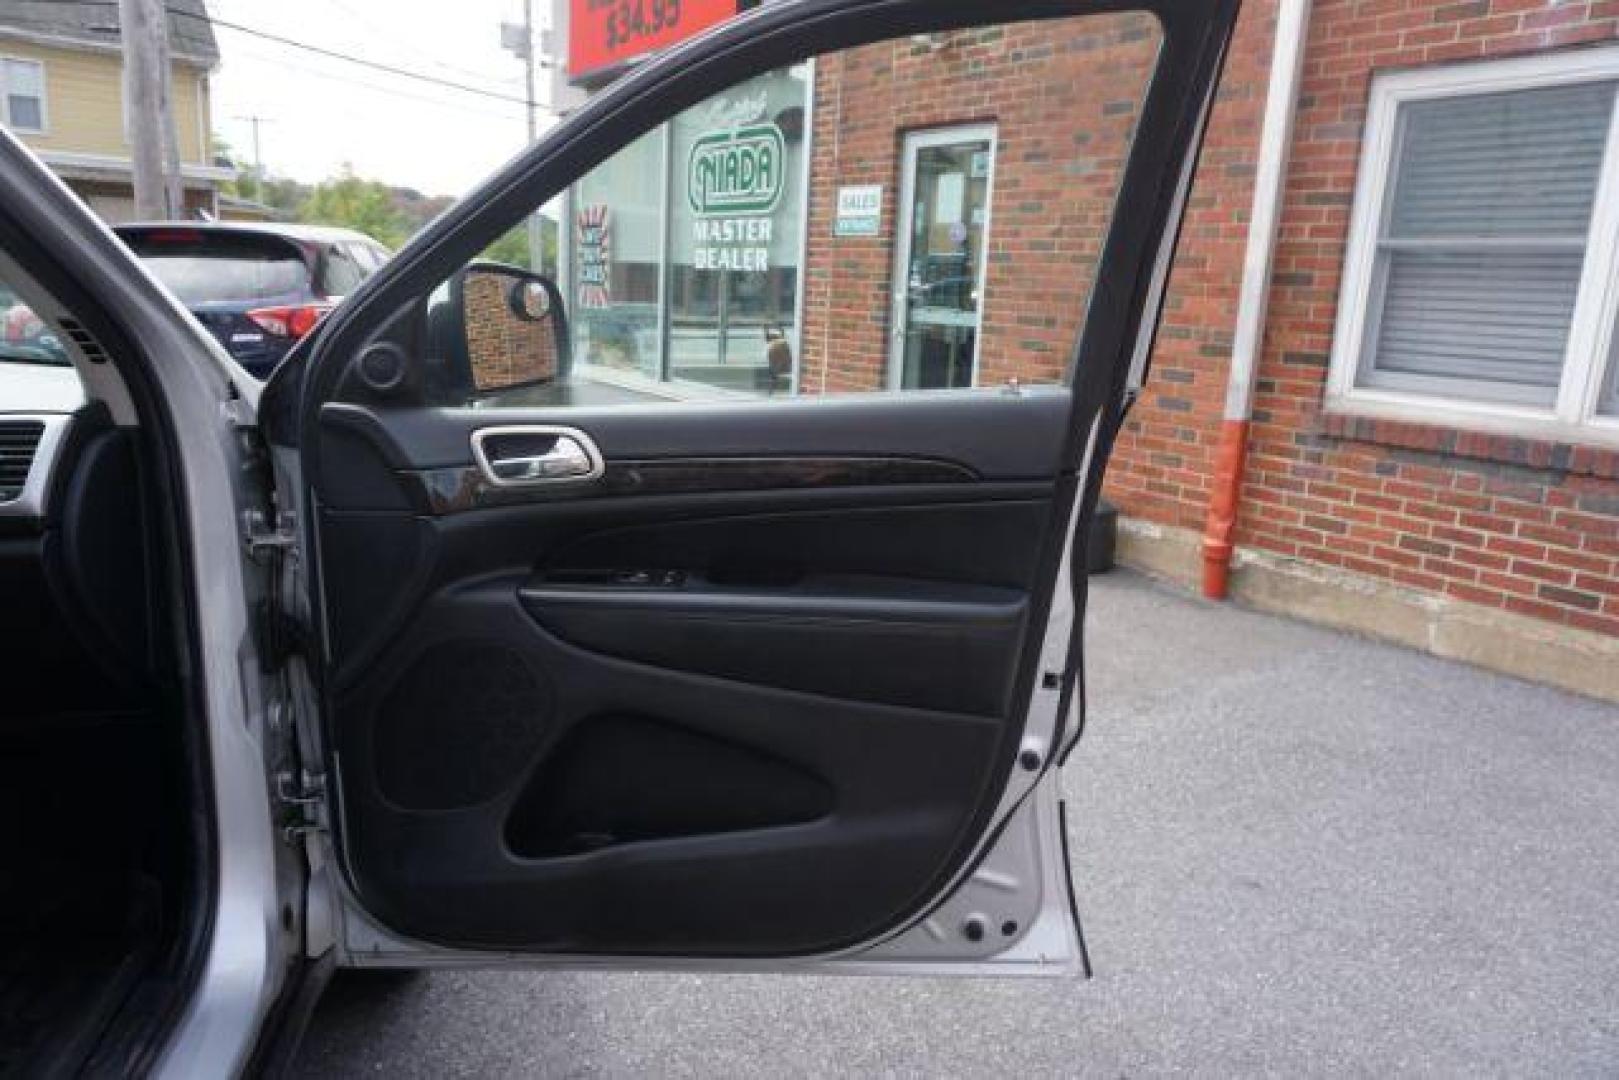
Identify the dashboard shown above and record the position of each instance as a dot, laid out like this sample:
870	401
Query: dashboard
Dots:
37	406
74	552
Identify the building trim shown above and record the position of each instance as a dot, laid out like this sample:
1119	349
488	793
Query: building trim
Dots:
122	168
1573	417
111	47
800	294
1502	641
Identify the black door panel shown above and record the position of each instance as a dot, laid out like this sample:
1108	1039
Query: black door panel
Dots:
750	717
1005	434
897	641
456	835
759	689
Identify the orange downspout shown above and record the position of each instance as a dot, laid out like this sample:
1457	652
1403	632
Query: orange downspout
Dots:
1219	535
1270	177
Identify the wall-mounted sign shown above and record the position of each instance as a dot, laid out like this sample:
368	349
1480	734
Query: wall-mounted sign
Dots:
860	210
594	247
739	171
606	34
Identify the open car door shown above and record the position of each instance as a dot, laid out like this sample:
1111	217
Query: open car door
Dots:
718	597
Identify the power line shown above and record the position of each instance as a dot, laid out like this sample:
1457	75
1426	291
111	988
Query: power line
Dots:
331	54
469	107
364	22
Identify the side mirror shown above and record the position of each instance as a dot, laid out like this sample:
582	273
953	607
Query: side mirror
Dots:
513	329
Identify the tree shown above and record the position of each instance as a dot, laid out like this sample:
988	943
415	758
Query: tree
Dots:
362	205
512	247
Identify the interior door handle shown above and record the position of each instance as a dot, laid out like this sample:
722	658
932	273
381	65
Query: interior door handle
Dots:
526	456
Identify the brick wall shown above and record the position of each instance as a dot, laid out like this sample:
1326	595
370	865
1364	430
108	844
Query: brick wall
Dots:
1527	526
1164	460
1063	97
1521	525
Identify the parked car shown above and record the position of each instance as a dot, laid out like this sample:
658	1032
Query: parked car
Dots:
258	288
393	662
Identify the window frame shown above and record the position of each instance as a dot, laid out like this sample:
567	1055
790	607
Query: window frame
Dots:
1573	417
912	143
43	97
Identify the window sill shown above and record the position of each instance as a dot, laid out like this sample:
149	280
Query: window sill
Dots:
1504	435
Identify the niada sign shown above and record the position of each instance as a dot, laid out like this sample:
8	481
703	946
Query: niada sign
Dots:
738	171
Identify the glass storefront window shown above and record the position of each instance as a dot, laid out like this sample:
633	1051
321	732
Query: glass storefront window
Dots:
617	261
737	210
716	229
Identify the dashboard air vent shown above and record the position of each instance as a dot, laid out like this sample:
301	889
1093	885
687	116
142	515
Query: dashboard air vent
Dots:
18	441
86	341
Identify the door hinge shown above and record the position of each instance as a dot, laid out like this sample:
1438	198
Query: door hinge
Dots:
238	413
268	537
303	800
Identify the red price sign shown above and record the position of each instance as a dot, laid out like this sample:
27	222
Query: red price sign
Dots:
603	34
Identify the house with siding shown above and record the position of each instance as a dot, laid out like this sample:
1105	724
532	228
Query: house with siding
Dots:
61	93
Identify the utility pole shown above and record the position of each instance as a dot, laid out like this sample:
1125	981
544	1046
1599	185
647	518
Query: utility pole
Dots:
155	149
258	153
520	40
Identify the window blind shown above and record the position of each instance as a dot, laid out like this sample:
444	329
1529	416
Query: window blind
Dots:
1483	242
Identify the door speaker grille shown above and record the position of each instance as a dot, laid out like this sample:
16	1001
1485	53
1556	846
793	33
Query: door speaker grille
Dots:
460	726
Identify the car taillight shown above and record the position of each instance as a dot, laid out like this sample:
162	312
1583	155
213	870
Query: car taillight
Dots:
293	322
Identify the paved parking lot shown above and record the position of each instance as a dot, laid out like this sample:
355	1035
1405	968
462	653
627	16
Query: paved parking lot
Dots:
1295	851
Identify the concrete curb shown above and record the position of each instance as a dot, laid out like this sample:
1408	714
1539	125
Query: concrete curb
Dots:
1501	641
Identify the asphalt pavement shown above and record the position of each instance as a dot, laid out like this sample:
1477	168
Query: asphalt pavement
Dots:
1296	852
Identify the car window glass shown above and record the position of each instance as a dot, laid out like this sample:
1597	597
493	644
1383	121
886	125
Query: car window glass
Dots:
923	214
36	368
202	279
340	273
25	338
218	266
369	258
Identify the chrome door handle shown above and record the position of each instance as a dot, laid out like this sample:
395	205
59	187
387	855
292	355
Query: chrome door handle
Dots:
566	460
569	455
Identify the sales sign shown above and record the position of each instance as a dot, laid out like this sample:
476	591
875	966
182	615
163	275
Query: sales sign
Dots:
860	210
606	34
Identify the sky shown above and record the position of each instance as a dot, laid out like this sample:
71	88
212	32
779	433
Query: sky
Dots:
323	114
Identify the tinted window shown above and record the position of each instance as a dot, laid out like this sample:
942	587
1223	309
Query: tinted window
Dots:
369	258
341	274
202	269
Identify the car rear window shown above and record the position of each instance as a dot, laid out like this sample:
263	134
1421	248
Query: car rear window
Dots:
200	268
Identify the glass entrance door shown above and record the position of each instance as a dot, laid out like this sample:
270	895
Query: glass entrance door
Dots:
939	262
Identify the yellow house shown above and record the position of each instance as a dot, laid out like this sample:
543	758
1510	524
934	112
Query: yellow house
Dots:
61	92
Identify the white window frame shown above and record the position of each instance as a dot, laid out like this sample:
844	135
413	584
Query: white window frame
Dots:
1573	418
5	96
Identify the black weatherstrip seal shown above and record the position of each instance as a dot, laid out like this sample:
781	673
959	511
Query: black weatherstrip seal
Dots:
160	453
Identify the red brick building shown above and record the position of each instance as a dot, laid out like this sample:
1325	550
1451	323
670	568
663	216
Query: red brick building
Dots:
1426	362
1430	513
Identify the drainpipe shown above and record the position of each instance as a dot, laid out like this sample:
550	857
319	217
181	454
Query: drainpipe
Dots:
1270	179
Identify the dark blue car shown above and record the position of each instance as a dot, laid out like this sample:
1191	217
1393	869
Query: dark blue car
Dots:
257	287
